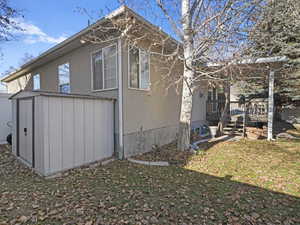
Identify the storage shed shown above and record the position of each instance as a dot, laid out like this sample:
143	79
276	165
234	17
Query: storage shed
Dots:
53	132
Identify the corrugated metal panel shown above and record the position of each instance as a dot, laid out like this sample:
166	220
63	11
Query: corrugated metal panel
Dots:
14	126
38	132
79	146
26	130
55	134
45	127
67	133
76	132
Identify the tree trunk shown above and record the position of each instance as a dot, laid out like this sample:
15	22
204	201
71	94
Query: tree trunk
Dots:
224	114
188	74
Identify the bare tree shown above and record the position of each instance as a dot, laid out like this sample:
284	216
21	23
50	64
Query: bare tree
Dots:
211	31
206	32
7	22
26	58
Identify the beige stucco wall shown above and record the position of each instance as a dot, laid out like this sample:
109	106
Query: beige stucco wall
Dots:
19	84
151	117
80	73
158	107
148	109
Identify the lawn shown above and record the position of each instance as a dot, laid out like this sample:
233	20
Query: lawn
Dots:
244	182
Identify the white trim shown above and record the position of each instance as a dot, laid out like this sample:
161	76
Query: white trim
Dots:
212	100
128	77
139	89
108	89
92	69
120	101
275	59
37	74
59	84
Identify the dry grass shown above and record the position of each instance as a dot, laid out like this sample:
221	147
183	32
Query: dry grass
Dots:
245	182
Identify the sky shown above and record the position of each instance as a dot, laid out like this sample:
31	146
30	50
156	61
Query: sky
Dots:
46	23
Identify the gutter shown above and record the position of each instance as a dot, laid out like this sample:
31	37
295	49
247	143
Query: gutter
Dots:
275	59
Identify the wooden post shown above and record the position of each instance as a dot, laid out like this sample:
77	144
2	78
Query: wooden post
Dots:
271	105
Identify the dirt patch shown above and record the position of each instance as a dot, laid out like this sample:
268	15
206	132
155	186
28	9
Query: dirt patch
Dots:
168	153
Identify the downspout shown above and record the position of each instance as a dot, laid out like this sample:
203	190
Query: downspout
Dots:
120	99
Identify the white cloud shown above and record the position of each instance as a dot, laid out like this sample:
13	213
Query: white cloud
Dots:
33	34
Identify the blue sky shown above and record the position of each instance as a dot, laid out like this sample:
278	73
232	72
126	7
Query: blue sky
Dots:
47	23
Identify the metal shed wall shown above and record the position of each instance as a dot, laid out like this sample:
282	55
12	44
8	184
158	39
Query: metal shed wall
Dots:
74	132
68	131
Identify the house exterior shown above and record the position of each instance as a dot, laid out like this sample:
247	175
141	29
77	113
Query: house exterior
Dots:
145	114
5	117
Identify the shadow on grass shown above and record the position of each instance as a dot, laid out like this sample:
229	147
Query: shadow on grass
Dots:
283	126
127	193
208	145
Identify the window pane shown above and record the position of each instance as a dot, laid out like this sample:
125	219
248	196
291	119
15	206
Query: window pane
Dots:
209	96
134	67
36	82
110	69
214	94
64	77
65	88
145	82
97	71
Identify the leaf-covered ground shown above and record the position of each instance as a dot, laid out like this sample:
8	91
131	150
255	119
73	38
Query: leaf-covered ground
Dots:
245	182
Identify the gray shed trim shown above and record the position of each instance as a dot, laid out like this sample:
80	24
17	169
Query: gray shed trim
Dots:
57	94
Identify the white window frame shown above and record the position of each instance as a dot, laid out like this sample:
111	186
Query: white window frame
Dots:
212	101
37	74
140	69
59	84
216	100
92	69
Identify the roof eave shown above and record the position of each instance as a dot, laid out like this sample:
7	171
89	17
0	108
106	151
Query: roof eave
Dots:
251	61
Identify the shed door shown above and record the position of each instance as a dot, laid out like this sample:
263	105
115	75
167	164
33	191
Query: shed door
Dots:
25	130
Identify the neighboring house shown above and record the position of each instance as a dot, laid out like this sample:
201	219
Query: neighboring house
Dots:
145	114
215	104
5	117
258	107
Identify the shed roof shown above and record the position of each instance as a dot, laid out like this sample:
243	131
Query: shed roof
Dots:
25	94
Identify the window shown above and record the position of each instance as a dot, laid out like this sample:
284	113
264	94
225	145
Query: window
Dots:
139	75
36	82
215	100
64	78
104	63
212	98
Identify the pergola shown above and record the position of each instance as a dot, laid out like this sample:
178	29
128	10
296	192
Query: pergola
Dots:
271	65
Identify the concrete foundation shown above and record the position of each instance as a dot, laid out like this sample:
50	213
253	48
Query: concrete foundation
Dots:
143	141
